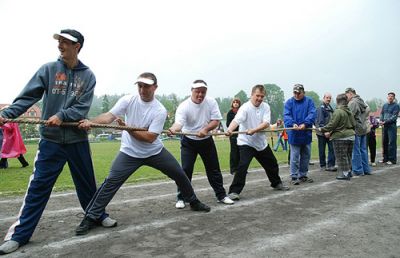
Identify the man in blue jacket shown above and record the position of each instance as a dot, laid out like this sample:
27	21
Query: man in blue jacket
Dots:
67	88
299	113
388	120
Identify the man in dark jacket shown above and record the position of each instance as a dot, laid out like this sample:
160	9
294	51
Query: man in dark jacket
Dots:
67	88
324	114
390	111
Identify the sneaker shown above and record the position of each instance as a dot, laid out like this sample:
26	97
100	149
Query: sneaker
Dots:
281	187
367	173
382	161
331	169
199	206
295	181
343	177
355	175
389	163
180	204
86	225
234	196
109	222
305	179
373	164
226	200
9	247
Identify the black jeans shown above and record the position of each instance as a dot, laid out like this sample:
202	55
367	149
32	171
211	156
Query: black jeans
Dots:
267	160
208	153
371	144
234	155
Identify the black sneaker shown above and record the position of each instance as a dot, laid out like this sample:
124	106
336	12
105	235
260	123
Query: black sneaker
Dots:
199	206
281	187
305	179
295	181
86	225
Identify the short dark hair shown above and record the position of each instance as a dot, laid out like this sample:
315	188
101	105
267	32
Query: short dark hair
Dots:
349	89
392	93
258	87
200	81
341	99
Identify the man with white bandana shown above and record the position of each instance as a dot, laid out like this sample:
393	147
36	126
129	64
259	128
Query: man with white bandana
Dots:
199	114
138	148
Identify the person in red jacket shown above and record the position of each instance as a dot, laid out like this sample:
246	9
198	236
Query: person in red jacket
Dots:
13	145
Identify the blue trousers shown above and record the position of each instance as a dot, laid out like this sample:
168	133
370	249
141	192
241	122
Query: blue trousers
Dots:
49	163
300	155
359	161
322	143
390	143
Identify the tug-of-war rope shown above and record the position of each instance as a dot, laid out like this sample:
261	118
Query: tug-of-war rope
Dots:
130	128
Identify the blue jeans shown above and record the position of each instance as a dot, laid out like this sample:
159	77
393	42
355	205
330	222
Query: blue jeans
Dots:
322	142
359	161
390	143
299	160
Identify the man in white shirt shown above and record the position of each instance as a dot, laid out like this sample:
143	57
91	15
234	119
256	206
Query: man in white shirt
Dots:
138	148
253	117
199	114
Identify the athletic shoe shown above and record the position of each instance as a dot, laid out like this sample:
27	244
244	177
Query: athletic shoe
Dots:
295	181
343	178
281	187
367	173
389	163
382	161
373	164
305	179
9	247
180	204
234	196
226	200
86	225
331	169
109	222
199	206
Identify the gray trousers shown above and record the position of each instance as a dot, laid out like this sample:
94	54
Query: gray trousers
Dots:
124	166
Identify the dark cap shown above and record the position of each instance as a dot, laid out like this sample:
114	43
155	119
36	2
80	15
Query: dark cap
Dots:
298	88
347	90
73	35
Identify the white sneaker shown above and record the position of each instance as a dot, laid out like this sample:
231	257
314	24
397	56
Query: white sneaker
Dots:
389	163
109	222
180	204
226	200
373	164
9	247
234	196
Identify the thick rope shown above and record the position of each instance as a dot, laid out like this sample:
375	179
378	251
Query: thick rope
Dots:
129	128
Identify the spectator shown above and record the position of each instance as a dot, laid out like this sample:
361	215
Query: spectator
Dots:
299	113
13	145
360	112
324	114
390	111
234	153
371	138
340	130
282	136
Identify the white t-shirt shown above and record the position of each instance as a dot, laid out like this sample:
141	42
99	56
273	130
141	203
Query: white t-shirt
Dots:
250	117
139	113
193	117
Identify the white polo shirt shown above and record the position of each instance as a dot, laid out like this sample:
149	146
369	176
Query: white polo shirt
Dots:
193	117
139	113
250	117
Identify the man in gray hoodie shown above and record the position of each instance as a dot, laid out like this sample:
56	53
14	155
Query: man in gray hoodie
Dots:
67	88
360	111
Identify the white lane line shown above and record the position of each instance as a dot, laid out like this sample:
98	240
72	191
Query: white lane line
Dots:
162	223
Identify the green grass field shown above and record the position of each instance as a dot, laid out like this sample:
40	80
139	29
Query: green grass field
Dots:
14	180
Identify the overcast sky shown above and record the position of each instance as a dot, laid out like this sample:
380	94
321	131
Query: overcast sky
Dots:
327	45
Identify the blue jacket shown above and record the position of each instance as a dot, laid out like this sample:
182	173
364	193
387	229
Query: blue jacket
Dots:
389	113
66	93
299	112
324	114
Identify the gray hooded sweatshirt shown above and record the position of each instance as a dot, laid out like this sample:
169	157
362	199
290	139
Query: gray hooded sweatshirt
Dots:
359	109
67	93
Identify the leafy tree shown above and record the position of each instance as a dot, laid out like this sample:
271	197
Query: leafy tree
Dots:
276	100
242	96
170	103
316	99
224	105
105	106
374	104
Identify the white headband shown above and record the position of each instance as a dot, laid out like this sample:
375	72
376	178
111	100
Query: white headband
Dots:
199	85
145	80
65	35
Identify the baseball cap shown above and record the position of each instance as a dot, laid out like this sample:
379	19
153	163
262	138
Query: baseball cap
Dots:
298	88
349	89
73	35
